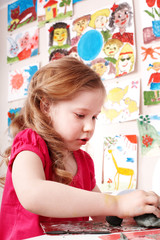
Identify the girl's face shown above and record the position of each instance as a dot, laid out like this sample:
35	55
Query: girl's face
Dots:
100	22
60	35
75	119
121	17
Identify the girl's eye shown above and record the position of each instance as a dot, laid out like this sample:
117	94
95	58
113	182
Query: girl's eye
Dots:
79	115
94	117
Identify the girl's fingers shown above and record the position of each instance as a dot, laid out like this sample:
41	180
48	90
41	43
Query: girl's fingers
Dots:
152	198
152	209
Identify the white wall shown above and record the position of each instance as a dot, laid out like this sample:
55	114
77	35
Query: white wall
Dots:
145	164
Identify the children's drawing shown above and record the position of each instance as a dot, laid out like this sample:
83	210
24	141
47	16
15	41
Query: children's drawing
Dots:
150	20
59	36
122	101
149	132
79	26
121	17
125	61
22	45
99	35
152	52
101	66
111	47
21	12
151	76
12	113
53	11
99	21
119	167
19	82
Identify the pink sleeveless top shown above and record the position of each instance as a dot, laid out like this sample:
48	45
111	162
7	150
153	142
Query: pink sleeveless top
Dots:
17	223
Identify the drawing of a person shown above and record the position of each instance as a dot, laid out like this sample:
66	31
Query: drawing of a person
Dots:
57	54
99	20
154	80
125	61
101	66
59	34
73	53
111	47
79	25
121	17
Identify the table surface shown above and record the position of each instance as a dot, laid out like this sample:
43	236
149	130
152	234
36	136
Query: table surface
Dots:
84	231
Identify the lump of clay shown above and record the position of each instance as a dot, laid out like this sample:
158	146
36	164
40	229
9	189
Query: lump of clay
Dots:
147	220
114	221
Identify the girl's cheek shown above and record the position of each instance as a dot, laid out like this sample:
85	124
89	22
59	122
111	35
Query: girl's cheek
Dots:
117	21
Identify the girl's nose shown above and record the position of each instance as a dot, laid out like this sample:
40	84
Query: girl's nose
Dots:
89	126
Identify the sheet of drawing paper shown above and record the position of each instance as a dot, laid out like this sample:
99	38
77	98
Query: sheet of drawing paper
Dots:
20	13
151	73
149	132
150	20
53	11
22	45
19	80
122	101
99	41
119	166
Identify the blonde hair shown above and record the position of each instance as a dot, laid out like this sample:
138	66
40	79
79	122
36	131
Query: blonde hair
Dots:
103	12
127	49
153	65
58	80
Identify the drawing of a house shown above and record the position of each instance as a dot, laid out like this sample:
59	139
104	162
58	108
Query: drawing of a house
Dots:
51	9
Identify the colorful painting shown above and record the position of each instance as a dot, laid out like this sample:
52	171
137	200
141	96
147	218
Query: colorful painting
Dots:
100	39
149	132
22	45
53	11
150	20
151	74
19	81
20	13
12	113
58	37
122	101
119	167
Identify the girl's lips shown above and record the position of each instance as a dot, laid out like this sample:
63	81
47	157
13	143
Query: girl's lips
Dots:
83	141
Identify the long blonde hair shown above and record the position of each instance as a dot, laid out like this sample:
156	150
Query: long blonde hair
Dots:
59	80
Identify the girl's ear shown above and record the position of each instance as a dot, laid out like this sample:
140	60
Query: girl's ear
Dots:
45	106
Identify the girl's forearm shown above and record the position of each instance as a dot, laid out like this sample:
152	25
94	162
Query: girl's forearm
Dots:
57	200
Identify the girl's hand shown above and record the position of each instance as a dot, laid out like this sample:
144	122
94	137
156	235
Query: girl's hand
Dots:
138	202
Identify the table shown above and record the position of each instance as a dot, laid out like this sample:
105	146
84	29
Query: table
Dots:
84	231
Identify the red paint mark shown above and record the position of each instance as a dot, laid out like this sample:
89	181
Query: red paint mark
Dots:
17	81
147	140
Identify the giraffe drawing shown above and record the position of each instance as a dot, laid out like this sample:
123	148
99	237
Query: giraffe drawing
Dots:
121	171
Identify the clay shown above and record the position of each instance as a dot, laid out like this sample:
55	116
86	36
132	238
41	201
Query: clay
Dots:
147	220
114	221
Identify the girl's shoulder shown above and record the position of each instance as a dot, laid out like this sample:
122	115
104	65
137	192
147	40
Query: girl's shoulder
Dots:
28	136
29	140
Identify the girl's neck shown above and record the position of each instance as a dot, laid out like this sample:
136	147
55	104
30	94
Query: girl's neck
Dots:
70	163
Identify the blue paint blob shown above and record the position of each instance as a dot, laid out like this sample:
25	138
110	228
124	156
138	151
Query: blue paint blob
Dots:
90	45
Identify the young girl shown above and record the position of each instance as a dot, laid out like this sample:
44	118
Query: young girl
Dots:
49	177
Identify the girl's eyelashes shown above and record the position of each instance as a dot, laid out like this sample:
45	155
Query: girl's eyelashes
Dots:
80	115
83	116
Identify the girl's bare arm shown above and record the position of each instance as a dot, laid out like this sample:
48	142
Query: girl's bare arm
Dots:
52	199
